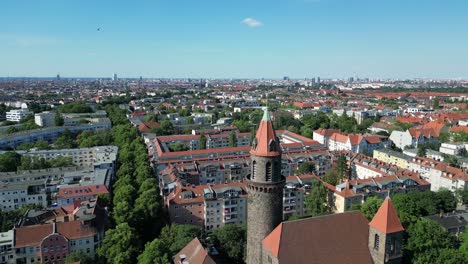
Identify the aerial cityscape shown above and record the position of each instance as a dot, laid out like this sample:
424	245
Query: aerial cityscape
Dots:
258	132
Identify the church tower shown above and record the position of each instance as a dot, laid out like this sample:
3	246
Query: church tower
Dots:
386	235
265	189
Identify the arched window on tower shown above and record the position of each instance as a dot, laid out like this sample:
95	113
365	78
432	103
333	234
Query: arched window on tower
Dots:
376	242
254	169
269	172
271	146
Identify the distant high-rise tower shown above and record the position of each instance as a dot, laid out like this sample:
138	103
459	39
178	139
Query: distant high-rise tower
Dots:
285	78
58	77
265	189
318	80
115	77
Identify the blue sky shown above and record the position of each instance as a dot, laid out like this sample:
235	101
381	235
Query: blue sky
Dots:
235	38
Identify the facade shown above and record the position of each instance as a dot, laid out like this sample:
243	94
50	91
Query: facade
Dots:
348	142
7	254
208	206
392	157
45	119
17	115
50	236
264	187
322	135
437	173
49	134
52	186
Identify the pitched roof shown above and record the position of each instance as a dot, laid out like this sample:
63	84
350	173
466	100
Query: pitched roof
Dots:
272	241
193	253
265	137
324	239
386	219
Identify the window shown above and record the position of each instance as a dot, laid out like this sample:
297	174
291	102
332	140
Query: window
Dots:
254	169
268	172
376	242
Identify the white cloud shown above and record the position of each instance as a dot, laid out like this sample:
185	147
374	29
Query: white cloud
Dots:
252	22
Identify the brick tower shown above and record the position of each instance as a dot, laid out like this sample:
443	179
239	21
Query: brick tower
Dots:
265	189
386	235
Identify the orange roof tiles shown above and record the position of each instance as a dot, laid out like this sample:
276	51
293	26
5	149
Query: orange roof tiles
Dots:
272	241
267	143
386	219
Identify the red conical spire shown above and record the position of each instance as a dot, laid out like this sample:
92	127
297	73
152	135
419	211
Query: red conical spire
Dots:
386	219
265	142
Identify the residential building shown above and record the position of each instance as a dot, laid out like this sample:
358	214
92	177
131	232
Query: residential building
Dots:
49	236
194	253
45	119
323	136
392	157
452	222
17	115
208	206
453	148
50	134
439	174
7	254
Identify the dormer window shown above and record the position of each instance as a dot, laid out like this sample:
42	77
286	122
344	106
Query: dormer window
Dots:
271	146
254	143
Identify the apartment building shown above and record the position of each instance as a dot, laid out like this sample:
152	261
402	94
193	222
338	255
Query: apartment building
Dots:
439	174
51	186
208	206
17	115
50	134
323	136
101	157
356	191
7	254
392	157
49	236
45	119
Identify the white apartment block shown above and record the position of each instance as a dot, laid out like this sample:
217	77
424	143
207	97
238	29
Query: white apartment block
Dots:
17	115
45	119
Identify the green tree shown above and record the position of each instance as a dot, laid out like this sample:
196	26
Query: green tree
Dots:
155	253
79	256
147	213
120	245
202	141
58	119
426	235
305	168
370	207
422	150
233	139
232	240
317	200
178	146
332	177
9	161
65	141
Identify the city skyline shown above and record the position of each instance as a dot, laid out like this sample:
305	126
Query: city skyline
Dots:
235	39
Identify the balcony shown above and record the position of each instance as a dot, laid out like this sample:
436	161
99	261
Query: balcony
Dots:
230	219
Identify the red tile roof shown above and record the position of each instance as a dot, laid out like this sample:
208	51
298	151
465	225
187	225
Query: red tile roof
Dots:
265	137
194	253
386	219
297	241
272	241
82	191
